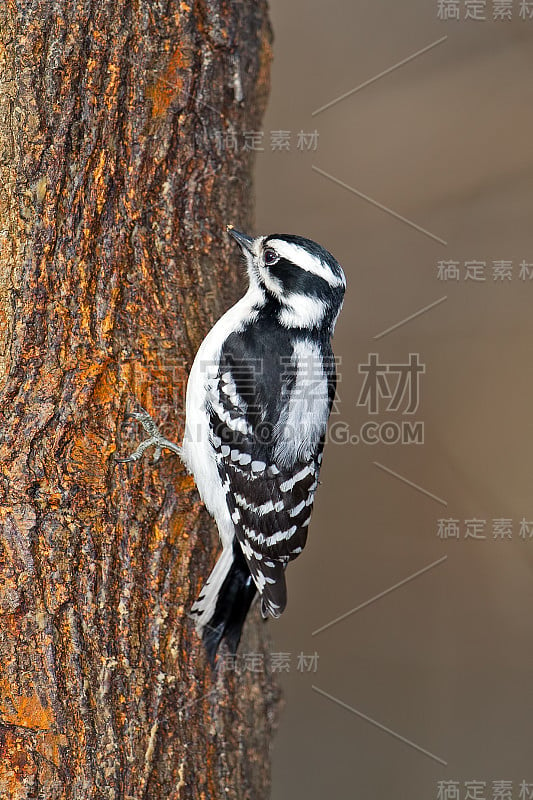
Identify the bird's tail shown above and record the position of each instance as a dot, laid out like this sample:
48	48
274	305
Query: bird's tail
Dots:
224	602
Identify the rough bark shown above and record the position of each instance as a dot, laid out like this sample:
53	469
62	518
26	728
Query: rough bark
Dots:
114	262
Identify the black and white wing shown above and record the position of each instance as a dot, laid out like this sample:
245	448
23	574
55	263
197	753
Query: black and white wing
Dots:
268	456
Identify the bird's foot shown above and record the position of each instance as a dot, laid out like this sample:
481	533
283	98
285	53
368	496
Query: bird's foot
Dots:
155	439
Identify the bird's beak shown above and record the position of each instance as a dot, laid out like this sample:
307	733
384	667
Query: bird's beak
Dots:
245	242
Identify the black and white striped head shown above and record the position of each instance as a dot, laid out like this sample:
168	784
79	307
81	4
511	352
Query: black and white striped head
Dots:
301	279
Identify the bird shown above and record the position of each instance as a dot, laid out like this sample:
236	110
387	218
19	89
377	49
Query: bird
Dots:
259	395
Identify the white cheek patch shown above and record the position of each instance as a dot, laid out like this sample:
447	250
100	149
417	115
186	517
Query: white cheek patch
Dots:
306	261
301	311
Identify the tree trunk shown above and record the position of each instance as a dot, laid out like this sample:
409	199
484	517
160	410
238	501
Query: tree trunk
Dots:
116	186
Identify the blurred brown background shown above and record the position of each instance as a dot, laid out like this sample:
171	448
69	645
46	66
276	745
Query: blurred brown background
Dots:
446	141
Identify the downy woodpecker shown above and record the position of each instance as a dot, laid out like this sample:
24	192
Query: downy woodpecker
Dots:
259	396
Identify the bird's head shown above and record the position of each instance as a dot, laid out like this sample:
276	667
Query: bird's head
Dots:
300	278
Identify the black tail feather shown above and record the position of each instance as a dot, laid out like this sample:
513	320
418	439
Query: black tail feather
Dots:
233	603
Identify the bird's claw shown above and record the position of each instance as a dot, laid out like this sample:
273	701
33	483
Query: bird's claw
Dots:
155	439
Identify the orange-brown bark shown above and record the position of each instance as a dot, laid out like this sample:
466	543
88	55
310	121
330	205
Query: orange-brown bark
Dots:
113	264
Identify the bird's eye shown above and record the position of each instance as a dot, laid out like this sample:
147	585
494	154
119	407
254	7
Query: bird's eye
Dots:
270	256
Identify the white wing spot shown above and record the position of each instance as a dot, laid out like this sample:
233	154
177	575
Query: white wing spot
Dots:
287	485
279	536
296	510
